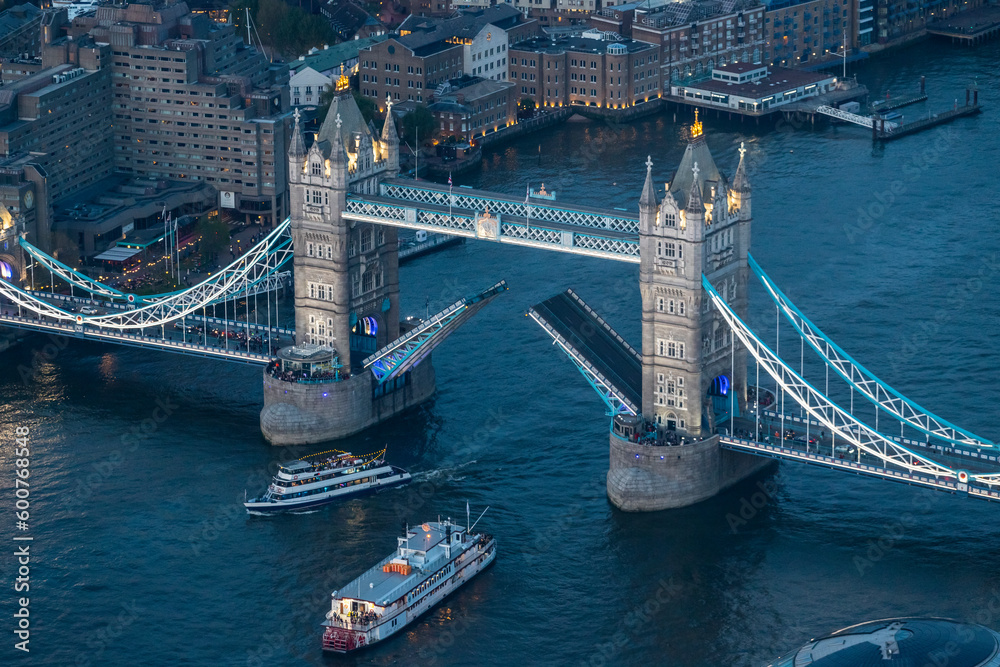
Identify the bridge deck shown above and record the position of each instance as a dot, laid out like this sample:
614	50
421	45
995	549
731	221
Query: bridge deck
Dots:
412	347
594	340
209	348
864	467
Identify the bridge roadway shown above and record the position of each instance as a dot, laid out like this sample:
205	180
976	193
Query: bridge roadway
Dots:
199	344
788	452
827	453
969	458
596	343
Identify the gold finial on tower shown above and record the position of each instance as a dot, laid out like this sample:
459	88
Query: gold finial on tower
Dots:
696	130
343	82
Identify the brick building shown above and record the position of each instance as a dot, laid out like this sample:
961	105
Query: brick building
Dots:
696	36
472	107
589	72
798	33
429	52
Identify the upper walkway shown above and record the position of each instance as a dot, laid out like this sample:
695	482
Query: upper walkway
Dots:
581	230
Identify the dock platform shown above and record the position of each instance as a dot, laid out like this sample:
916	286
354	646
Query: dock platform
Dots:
925	123
974	27
897	102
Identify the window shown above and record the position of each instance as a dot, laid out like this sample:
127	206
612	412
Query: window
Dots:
670	348
317	169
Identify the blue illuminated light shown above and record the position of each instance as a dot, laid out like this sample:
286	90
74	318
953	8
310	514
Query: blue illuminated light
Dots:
6	272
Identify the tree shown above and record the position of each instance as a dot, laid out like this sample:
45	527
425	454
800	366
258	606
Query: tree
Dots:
214	236
419	123
65	249
286	29
526	107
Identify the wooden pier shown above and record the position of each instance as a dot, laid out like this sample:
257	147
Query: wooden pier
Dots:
971	28
897	102
923	123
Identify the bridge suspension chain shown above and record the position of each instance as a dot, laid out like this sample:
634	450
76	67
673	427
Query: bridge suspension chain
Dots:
266	282
858	377
820	406
249	269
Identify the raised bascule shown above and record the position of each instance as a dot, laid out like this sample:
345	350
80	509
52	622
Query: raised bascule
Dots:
686	419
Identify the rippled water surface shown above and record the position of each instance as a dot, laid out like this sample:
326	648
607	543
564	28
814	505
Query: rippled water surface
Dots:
143	554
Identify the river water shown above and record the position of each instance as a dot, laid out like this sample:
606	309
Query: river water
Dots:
142	553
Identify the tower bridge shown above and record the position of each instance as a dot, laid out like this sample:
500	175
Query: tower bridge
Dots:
685	420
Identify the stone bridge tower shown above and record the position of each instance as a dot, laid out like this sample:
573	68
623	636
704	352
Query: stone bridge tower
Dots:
346	273
693	376
346	285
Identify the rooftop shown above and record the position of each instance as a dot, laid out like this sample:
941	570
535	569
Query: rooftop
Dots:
778	80
422	551
428	35
578	45
689	11
331	57
16	16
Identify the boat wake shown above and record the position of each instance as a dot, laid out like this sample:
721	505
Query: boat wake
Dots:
443	475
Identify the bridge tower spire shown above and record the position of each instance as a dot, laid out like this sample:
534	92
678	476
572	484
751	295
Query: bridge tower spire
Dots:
390	141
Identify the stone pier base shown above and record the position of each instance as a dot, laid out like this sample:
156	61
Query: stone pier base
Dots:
303	414
645	479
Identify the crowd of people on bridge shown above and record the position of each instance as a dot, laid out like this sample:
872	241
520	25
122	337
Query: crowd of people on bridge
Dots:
274	370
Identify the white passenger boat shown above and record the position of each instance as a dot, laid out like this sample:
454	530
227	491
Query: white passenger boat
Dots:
430	562
313	481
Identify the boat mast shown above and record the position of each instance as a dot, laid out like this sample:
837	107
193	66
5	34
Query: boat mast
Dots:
480	517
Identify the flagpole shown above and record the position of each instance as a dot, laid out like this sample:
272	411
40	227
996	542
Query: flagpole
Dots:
527	207
451	218
177	251
163	215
